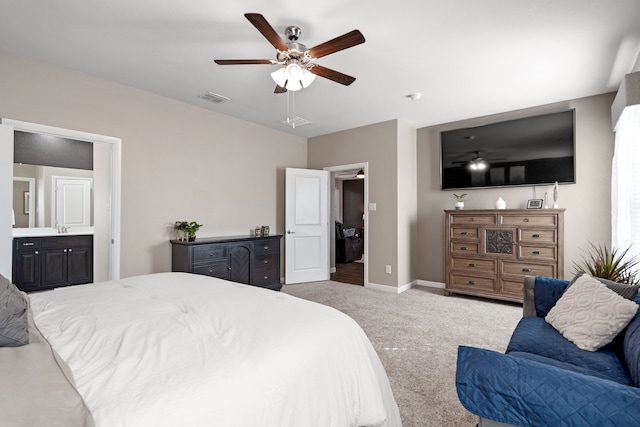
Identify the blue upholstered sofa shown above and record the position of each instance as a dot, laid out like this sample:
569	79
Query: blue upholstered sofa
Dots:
546	380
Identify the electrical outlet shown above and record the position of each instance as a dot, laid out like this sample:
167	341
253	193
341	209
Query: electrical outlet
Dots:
387	269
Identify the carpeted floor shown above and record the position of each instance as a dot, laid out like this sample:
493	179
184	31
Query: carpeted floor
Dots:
416	334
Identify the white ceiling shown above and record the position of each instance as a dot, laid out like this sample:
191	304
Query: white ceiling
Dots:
468	58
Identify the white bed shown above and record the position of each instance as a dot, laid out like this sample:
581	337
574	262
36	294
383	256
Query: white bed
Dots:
176	349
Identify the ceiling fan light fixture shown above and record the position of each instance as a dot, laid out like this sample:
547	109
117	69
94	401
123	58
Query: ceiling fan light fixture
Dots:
293	77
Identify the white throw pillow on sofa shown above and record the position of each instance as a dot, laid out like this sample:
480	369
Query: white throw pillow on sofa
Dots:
590	315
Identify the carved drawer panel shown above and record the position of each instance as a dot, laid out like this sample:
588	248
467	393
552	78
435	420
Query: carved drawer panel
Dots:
546	253
475	219
466	233
529	220
533	235
474	265
462	248
472	283
527	269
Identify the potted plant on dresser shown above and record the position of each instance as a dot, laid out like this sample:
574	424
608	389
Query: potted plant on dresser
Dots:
186	230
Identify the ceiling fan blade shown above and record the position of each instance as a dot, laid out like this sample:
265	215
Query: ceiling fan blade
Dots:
267	30
330	74
342	42
279	89
241	61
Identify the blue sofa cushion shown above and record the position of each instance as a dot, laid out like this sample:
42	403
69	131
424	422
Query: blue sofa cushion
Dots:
524	392
631	348
535	336
547	292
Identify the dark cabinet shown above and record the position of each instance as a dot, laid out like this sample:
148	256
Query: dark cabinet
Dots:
48	262
249	260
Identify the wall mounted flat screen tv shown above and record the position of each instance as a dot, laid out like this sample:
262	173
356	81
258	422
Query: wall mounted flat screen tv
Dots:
528	151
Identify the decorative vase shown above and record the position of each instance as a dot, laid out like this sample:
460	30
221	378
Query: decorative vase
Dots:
182	235
500	203
459	206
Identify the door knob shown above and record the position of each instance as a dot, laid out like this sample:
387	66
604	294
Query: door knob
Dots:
291	232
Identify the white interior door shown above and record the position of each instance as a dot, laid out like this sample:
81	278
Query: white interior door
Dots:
73	202
307	226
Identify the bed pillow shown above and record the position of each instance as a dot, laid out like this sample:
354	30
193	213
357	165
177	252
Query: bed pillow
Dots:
589	314
14	326
623	289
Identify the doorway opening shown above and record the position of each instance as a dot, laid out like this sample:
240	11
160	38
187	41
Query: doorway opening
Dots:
349	197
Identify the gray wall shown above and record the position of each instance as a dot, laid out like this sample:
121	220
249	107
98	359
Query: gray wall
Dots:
587	203
179	162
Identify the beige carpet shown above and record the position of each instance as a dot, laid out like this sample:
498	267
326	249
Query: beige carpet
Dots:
416	334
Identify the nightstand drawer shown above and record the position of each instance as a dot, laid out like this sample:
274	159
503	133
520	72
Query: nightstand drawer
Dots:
264	261
266	247
205	253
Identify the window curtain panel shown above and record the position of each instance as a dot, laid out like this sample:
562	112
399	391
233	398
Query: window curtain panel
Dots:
625	182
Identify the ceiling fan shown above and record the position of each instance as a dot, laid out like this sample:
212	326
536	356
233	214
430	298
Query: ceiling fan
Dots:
477	162
299	67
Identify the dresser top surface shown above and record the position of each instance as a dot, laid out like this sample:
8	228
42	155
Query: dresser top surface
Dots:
503	211
223	239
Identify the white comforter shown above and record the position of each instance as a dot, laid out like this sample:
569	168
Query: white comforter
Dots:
176	349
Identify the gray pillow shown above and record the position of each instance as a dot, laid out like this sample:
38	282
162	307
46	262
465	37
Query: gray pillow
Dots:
622	289
14	325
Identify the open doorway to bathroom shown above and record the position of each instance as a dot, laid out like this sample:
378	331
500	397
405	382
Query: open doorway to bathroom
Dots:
349	219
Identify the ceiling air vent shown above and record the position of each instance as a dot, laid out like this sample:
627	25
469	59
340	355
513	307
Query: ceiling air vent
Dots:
214	97
295	122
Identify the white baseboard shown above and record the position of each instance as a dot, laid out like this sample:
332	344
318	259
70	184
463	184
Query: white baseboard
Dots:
387	288
429	284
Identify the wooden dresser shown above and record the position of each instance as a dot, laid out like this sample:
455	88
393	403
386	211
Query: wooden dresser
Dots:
250	260
489	252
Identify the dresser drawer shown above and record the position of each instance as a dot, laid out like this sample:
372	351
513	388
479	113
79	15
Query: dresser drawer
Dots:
206	253
266	276
546	253
264	261
473	219
512	288
529	220
267	246
471	265
27	244
461	248
465	282
464	233
527	269
534	235
214	269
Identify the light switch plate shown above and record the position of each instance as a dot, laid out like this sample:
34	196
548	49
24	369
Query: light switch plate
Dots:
372	206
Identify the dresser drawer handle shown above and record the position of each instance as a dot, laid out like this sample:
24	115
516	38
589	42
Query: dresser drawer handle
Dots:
266	261
535	236
28	244
472	282
266	247
472	265
210	253
464	233
536	252
211	270
266	277
526	270
526	220
464	248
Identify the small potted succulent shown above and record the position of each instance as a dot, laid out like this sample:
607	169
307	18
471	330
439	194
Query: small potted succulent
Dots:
187	230
459	205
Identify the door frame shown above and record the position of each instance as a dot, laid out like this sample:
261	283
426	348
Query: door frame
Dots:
340	168
115	145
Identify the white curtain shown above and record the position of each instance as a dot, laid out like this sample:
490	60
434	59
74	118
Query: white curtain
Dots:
625	182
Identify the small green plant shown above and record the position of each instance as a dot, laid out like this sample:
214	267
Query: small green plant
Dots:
612	264
187	227
460	197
